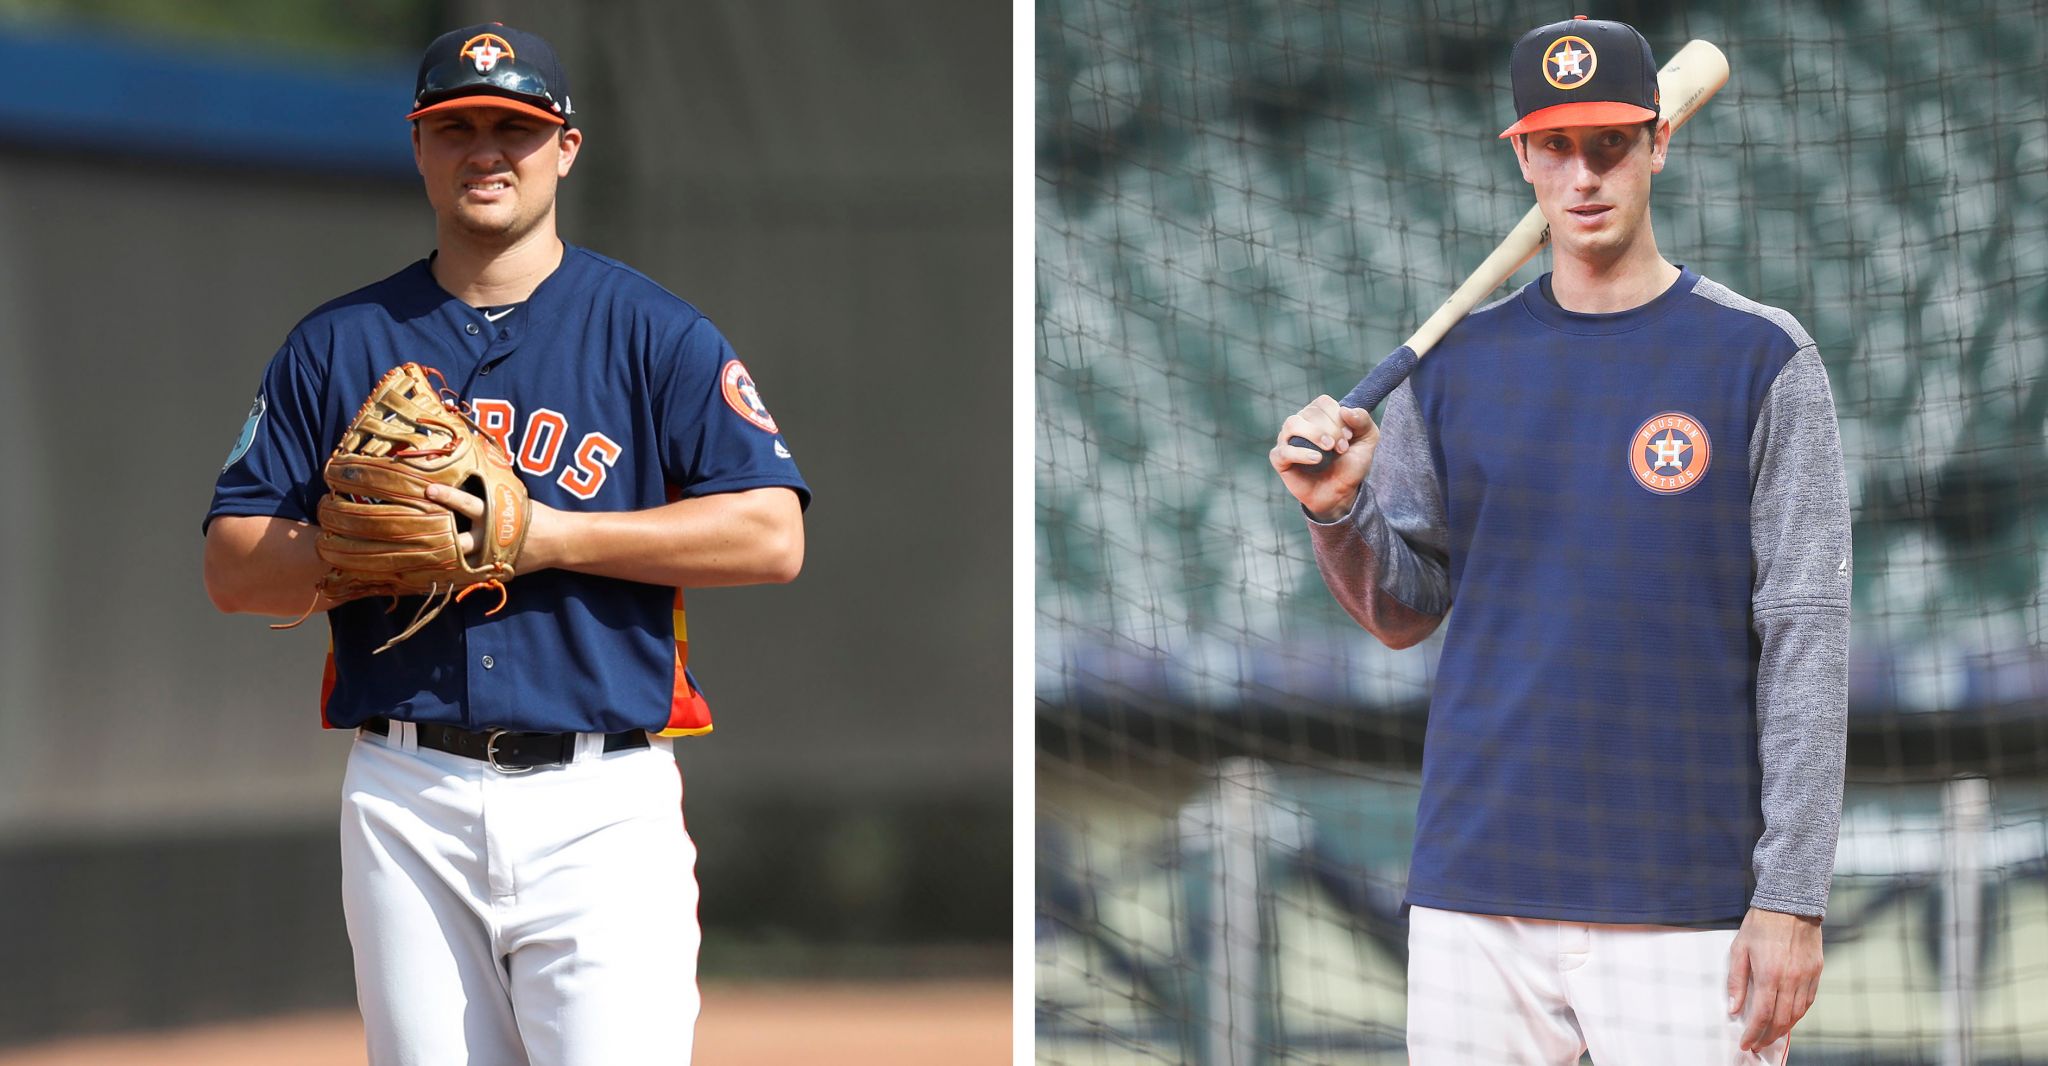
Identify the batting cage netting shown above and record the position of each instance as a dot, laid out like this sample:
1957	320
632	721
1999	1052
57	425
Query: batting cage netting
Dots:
1243	204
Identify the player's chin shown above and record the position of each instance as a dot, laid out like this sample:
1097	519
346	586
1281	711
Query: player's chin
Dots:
1592	242
493	220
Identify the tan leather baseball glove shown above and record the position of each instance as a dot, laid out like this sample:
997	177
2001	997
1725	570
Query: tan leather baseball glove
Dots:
379	533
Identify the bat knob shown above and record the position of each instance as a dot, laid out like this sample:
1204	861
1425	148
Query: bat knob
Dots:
1367	394
1319	468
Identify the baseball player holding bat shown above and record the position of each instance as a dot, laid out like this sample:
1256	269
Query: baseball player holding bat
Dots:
516	877
1627	478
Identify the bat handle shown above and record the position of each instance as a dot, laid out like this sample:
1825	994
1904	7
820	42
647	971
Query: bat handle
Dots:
1367	394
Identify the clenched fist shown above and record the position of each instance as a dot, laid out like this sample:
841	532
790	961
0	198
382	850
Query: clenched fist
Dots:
1328	495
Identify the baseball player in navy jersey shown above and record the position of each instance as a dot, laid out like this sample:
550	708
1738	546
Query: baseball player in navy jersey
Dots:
1628	481
517	880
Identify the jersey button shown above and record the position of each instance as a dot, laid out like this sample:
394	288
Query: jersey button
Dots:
489	662
471	328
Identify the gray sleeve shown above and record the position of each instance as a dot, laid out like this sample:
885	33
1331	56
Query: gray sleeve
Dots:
1799	541
1384	562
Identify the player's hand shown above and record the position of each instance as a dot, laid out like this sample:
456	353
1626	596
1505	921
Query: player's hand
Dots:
539	531
1328	495
1774	969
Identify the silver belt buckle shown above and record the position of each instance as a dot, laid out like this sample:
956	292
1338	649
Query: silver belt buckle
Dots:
491	755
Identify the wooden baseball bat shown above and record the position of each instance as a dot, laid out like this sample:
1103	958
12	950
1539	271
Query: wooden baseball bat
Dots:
1694	74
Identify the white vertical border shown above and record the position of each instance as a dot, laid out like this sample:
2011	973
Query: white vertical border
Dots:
1023	668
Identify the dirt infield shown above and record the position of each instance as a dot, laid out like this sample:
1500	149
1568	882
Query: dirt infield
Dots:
909	1024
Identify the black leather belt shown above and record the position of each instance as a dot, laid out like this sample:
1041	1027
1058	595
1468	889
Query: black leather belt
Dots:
506	750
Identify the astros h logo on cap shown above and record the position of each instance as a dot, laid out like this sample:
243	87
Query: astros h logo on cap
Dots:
485	49
1569	62
1582	72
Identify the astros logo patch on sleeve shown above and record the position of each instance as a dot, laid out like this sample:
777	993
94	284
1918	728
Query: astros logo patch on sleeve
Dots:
1669	453
742	396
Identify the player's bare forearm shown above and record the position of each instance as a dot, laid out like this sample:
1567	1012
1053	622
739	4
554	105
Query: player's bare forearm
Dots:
261	565
736	538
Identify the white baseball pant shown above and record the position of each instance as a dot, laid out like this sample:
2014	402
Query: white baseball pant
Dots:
546	918
1500	991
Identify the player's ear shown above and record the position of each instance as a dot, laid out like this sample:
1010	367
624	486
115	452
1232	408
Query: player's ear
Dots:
1520	143
1660	146
571	141
416	163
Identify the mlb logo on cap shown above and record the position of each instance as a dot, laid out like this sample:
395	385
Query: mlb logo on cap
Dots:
1582	72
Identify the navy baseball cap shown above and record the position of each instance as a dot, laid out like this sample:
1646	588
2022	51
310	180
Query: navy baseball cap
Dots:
1582	72
492	65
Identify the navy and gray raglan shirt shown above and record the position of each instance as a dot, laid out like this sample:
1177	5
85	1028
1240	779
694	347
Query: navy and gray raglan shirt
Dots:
1643	522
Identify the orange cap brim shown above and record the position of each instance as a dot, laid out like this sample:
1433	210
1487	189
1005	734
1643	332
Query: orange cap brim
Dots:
1581	113
487	100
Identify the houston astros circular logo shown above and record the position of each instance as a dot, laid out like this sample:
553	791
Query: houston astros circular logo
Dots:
484	50
1669	453
743	397
1568	63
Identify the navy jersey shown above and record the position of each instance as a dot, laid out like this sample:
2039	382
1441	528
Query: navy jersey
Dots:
1592	747
610	394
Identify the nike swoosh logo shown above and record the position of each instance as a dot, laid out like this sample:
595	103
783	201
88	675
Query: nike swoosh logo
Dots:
501	314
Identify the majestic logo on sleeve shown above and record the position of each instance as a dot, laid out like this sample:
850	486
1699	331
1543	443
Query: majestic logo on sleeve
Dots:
742	396
1569	62
1669	453
485	49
